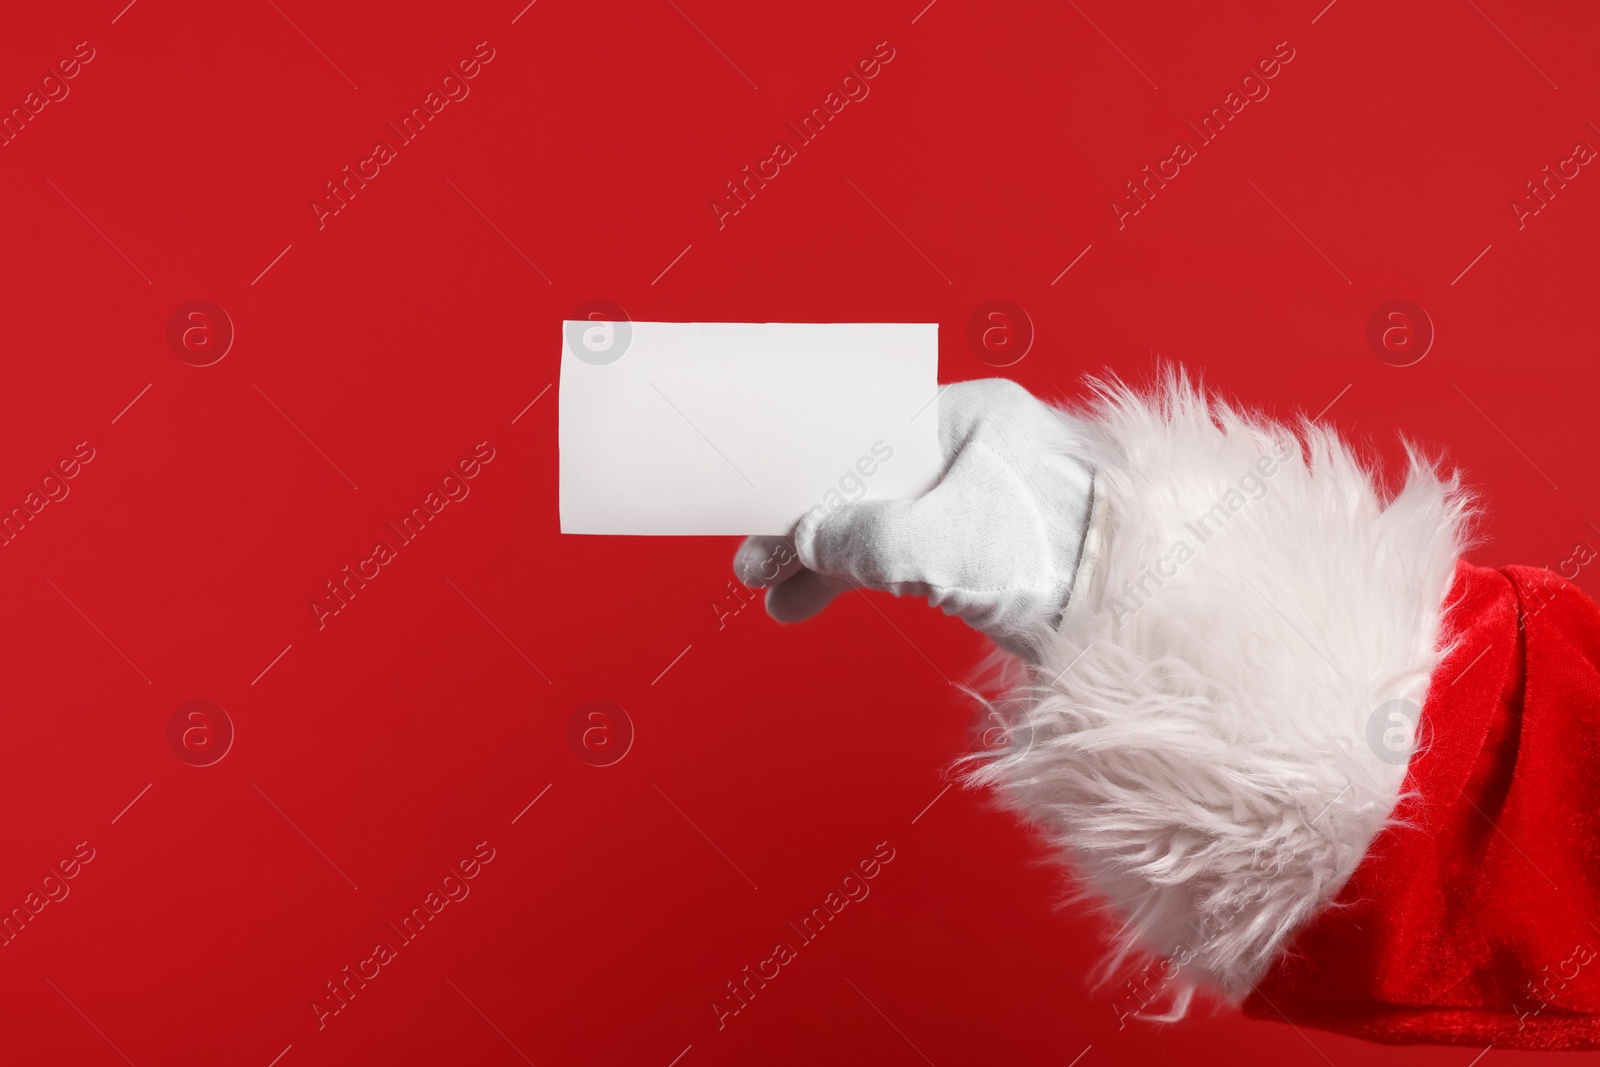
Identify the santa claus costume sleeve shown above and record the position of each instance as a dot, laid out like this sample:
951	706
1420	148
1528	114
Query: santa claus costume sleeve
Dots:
1306	758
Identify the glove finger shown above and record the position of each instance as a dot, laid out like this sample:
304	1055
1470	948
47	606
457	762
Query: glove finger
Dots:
802	596
978	529
902	546
765	561
963	406
881	544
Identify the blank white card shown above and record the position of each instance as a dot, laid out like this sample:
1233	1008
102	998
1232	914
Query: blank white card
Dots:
741	427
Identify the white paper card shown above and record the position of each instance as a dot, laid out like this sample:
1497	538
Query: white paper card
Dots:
741	427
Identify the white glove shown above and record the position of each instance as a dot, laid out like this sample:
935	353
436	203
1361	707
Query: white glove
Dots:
995	542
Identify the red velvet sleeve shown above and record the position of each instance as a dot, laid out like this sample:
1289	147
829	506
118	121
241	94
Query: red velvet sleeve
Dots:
1477	920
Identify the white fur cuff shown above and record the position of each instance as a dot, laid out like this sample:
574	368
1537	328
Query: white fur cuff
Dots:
1194	742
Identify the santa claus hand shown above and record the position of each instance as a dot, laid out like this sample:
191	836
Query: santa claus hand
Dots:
995	542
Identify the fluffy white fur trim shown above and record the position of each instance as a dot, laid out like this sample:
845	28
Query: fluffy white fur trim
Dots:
1194	741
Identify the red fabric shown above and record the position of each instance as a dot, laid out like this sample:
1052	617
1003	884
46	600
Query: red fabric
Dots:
1480	925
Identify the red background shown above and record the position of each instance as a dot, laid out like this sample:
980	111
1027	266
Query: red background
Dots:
419	721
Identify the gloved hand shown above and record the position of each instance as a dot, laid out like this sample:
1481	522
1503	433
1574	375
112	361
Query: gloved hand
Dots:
996	542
